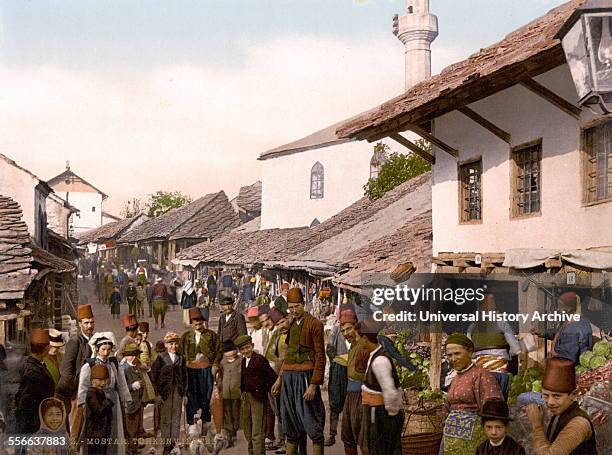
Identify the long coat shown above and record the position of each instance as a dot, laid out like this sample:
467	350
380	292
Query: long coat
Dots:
133	374
312	337
76	353
170	379
35	385
232	329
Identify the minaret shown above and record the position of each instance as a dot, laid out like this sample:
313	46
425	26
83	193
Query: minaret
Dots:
416	29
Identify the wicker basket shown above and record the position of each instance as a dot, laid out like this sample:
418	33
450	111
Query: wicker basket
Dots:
423	427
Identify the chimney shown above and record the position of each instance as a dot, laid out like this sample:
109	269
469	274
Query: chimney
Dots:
416	29
67	165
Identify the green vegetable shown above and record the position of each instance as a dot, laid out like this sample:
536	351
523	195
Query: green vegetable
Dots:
602	348
597	361
585	358
581	370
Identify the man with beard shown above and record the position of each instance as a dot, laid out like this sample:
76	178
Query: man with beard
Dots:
76	353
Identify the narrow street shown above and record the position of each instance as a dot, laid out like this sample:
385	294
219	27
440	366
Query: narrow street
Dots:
174	322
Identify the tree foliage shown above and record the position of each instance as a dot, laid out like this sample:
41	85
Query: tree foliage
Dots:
397	169
132	208
163	201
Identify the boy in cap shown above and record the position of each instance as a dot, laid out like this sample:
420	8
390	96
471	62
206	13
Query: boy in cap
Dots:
302	373
381	397
229	378
135	382
76	353
98	412
570	430
170	379
131	297
35	384
231	324
202	352
147	354
495	417
255	383
130	323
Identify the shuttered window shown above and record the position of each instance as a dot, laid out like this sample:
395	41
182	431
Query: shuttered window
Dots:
598	172
526	163
470	191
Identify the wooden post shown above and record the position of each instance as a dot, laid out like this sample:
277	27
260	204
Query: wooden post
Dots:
160	252
435	368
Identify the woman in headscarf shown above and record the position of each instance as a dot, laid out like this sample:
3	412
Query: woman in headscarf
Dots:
52	415
468	392
117	390
188	300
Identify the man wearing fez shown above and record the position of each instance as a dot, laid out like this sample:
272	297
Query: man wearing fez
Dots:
35	384
231	324
337	353
76	353
357	361
130	324
570	430
302	373
381	397
202	352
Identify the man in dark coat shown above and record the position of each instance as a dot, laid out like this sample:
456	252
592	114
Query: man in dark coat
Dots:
281	301
76	353
231	324
256	380
35	384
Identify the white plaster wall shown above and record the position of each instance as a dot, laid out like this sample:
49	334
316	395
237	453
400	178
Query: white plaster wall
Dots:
57	217
564	221
19	185
285	196
86	219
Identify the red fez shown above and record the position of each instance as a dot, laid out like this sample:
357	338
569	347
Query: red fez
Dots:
559	375
129	320
295	296
39	336
195	314
84	312
253	312
569	297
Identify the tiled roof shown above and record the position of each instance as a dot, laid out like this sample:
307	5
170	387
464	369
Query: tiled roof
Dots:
280	245
528	51
249	197
206	217
108	231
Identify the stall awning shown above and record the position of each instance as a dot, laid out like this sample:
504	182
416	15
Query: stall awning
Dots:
524	258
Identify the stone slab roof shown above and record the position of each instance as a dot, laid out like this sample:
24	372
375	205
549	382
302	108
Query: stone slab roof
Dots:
109	231
278	246
526	52
249	197
206	217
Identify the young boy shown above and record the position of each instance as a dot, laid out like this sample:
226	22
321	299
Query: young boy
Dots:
141	297
229	377
115	303
135	382
98	413
256	381
495	418
147	354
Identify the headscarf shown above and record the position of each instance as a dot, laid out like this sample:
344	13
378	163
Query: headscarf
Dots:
460	339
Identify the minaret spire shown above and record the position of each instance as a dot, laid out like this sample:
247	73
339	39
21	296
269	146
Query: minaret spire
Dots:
416	30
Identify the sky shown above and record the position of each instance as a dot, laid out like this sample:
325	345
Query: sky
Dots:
184	95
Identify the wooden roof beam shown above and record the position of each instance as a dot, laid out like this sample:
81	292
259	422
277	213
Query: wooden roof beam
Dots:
413	147
552	97
475	116
434	140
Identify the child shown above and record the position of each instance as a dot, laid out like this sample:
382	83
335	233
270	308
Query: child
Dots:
256	380
98	413
52	417
147	355
141	297
135	382
160	348
229	377
495	419
115	303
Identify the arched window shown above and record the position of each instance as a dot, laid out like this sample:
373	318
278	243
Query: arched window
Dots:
376	163
317	180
